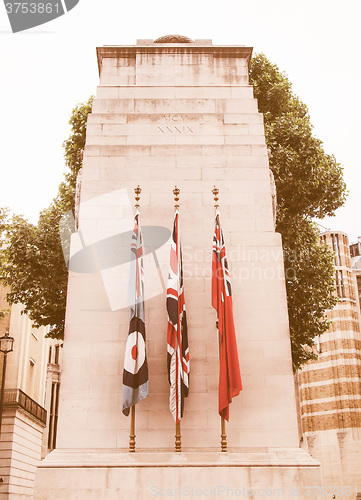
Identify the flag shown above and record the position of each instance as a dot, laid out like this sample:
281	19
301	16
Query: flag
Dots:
135	374
230	383
177	336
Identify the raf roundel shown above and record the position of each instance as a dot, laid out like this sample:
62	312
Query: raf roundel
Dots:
135	353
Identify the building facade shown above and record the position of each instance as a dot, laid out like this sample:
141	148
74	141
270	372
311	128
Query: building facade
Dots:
330	387
27	396
355	249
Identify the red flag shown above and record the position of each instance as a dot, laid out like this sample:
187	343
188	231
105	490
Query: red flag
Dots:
177	337
230	383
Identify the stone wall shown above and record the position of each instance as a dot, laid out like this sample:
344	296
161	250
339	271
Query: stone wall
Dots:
20	446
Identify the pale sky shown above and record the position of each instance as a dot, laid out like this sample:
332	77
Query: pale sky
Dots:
47	70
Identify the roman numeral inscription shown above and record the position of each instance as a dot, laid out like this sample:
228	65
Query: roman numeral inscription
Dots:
175	118
180	128
175	129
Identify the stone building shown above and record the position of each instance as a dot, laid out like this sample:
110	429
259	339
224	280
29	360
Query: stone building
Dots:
355	249
330	387
27	397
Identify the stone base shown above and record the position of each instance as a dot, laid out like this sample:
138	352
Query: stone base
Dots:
248	473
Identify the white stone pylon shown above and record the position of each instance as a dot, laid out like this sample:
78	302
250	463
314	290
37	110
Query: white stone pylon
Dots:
179	113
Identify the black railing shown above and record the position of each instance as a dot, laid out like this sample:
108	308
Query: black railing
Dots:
16	397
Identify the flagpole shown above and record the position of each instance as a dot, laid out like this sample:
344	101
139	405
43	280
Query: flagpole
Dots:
178	436
215	192
132	430
223	420
178	441
223	435
137	192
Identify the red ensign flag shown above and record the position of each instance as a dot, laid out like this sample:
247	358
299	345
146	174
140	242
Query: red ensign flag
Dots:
230	383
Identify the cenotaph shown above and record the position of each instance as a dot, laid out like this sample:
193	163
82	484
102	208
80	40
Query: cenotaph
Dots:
176	111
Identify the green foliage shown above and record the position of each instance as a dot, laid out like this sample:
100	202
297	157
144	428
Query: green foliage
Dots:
74	145
34	268
309	181
310	283
309	184
31	259
3	313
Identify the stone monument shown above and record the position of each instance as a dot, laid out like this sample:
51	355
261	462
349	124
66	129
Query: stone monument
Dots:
177	111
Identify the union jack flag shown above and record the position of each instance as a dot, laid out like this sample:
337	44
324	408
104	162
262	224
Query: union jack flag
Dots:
135	374
230	383
177	336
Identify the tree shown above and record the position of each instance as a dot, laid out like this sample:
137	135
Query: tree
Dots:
31	258
309	184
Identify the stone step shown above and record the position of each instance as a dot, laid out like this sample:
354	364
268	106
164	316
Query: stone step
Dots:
177	149
192	92
174	135
175	106
174	118
176	129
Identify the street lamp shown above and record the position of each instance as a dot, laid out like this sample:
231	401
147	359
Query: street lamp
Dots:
6	346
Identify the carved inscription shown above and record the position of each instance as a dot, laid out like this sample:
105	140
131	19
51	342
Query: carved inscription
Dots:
175	118
180	128
175	129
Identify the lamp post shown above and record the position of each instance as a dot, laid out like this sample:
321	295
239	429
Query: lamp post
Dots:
6	346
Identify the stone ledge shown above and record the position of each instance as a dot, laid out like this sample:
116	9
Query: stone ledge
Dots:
249	457
120	51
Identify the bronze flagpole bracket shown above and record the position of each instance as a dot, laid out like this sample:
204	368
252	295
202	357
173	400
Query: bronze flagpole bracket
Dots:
137	191
176	192
215	192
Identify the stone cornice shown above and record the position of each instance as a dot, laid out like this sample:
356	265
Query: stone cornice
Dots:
219	51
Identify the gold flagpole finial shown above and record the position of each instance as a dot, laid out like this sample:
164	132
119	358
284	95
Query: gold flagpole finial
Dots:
176	192
137	191
215	192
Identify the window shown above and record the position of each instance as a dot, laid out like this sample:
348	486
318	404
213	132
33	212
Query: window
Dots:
333	244
30	379
318	344
354	250
351	286
53	415
338	255
340	287
56	360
